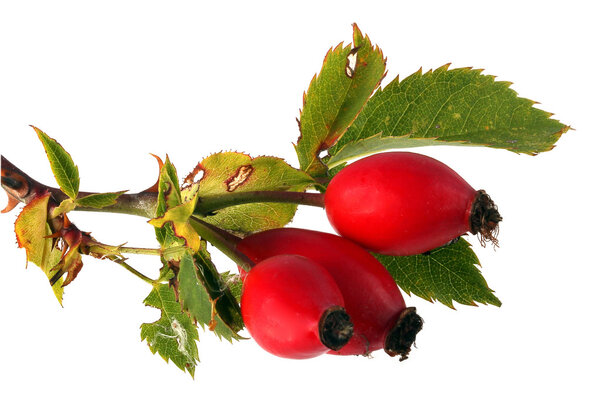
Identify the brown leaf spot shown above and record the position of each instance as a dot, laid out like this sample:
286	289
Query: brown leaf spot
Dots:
239	178
351	62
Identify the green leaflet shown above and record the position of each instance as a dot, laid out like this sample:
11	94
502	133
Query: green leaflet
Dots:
99	200
446	274
174	335
64	169
231	172
194	283
234	283
378	143
448	106
335	97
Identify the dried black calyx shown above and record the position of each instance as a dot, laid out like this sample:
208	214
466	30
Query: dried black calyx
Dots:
401	337
485	218
335	328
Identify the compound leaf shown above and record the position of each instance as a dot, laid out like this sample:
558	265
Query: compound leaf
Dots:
448	106
64	169
445	274
174	335
335	97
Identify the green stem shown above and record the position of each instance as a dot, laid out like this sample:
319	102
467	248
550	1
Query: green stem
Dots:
223	241
138	250
210	203
142	204
134	271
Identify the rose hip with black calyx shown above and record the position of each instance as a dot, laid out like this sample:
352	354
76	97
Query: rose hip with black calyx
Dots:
403	203
371	296
293	308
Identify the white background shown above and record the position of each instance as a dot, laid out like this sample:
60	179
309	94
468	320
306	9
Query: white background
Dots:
114	81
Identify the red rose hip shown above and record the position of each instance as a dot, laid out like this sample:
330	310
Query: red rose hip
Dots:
402	203
293	308
371	296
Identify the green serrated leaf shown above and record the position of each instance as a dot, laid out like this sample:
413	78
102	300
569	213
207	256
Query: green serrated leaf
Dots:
174	335
448	106
446	274
378	143
99	200
196	298
234	283
335	97
64	169
236	172
32	229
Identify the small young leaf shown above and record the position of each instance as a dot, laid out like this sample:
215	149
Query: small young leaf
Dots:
71	263
335	97
197	301
174	335
64	207
64	169
178	217
235	172
169	196
99	200
448	106
446	274
32	230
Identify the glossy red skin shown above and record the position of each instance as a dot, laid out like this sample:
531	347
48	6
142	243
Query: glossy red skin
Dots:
371	296
282	302
399	203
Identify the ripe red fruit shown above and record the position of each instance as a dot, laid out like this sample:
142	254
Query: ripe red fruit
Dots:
293	308
371	296
402	203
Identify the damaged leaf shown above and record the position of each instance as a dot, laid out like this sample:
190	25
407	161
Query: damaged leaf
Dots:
174	335
335	97
231	172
